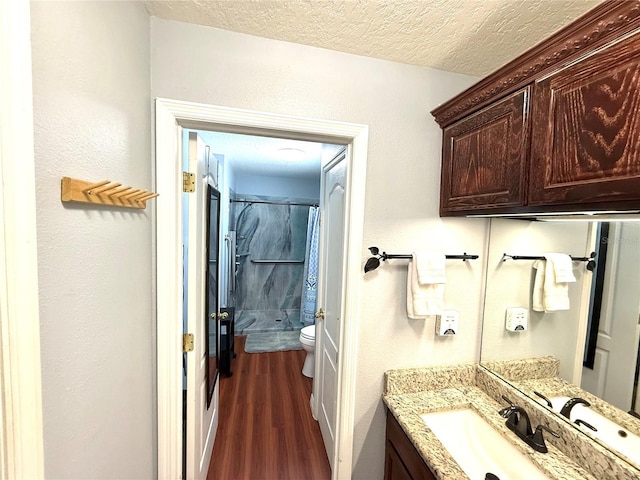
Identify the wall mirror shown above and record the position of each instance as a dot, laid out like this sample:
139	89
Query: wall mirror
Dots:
212	323
591	349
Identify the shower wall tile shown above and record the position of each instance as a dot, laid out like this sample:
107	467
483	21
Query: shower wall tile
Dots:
269	232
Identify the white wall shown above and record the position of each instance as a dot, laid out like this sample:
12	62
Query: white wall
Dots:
402	186
510	283
93	121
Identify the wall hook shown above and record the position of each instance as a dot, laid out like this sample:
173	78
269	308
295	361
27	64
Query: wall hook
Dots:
104	192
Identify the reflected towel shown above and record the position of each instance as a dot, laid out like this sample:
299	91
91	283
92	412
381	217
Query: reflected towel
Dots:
549	294
562	267
537	297
423	300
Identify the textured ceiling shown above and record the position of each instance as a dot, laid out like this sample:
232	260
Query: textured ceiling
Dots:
473	37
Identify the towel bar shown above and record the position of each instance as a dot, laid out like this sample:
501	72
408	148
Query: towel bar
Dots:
277	261
374	262
591	263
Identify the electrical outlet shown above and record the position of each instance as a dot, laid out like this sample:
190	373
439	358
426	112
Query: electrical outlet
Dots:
516	319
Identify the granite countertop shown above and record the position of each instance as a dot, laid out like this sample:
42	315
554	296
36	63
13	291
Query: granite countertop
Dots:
410	393
555	387
408	407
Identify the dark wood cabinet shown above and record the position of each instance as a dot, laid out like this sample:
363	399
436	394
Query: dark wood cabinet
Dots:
402	460
227	340
555	130
586	131
486	155
394	469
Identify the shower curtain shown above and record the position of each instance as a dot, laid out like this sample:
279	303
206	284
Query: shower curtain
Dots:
310	275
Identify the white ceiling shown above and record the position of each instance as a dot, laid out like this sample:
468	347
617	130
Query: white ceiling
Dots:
472	37
265	156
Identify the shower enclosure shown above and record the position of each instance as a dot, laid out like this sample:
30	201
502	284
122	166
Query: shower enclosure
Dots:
270	246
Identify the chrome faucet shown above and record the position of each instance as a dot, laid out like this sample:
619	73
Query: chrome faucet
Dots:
519	423
572	402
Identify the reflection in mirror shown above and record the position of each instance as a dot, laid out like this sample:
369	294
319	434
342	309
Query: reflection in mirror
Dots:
611	358
212	323
599	321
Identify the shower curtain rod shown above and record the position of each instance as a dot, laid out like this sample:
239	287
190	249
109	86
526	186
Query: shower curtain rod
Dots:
275	203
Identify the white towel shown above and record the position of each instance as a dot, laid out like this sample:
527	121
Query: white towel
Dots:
430	267
562	267
537	297
423	300
549	294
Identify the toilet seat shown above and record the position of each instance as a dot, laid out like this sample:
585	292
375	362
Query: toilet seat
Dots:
308	333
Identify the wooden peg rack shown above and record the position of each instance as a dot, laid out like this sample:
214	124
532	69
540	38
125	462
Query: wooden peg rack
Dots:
104	193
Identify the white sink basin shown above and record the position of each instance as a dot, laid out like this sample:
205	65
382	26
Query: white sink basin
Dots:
478	448
612	434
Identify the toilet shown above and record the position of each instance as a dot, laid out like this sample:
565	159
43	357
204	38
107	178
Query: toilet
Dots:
308	342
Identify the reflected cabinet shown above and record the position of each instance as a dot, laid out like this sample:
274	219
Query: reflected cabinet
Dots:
555	130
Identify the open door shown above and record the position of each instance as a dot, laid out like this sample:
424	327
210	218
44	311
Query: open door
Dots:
330	302
201	421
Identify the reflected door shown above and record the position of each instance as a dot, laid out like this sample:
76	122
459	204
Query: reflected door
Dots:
613	374
212	288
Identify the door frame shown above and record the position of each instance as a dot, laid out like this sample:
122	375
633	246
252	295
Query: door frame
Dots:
171	117
21	431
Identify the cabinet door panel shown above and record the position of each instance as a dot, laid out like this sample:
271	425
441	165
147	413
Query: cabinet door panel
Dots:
484	157
402	460
586	130
393	466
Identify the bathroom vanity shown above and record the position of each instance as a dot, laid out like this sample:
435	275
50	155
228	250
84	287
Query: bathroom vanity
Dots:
417	449
554	131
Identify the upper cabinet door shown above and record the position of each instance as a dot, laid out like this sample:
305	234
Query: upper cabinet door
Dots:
484	158
586	130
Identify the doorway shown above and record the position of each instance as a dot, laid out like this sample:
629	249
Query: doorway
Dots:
270	192
171	117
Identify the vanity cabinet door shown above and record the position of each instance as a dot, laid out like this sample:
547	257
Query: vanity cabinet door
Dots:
484	158
402	460
393	467
586	131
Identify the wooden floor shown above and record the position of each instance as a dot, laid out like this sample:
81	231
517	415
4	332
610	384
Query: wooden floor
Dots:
266	431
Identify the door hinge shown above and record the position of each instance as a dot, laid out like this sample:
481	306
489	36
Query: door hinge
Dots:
187	342
188	182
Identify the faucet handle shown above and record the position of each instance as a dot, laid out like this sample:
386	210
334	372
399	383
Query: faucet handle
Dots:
541	427
537	442
508	401
507	411
547	401
579	421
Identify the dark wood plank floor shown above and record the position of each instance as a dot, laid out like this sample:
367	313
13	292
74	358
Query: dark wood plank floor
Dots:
266	431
